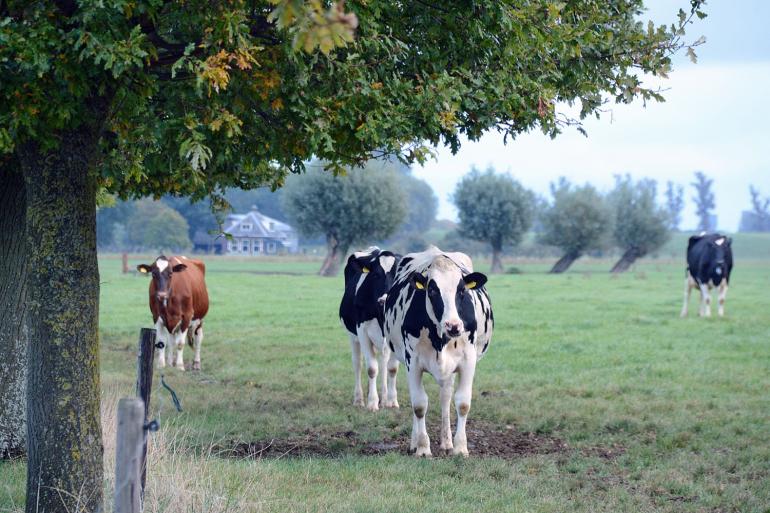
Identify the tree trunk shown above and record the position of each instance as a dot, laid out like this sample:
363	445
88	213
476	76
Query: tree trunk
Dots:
63	427
497	264
334	251
13	309
625	262
565	262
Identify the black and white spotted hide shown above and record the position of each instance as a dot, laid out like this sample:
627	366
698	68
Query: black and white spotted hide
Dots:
368	276
438	319
709	264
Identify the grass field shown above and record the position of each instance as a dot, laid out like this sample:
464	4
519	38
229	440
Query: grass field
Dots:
594	396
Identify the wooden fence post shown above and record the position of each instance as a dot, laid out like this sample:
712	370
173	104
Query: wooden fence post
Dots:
128	451
124	260
144	385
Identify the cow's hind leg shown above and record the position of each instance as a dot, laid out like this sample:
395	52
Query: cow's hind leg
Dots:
420	443
446	387
463	404
197	341
355	349
722	297
688	285
392	397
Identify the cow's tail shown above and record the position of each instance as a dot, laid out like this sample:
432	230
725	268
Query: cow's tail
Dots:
191	337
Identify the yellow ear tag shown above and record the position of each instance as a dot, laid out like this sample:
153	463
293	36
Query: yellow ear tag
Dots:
471	285
419	285
365	270
143	270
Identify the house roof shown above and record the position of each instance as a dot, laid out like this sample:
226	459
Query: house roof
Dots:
256	224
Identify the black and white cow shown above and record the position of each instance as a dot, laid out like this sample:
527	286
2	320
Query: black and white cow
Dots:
368	276
709	264
438	318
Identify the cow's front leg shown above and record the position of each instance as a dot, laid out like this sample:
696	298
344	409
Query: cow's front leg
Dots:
705	295
392	397
420	443
355	349
463	404
179	338
722	297
445	394
373	401
161	339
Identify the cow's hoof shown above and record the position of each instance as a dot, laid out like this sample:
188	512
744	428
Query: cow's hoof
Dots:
446	451
196	366
358	401
180	368
391	404
423	452
460	451
373	407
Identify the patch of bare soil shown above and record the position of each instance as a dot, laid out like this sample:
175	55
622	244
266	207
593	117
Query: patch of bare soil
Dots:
484	440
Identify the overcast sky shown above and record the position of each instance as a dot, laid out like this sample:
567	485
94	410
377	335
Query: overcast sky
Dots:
715	119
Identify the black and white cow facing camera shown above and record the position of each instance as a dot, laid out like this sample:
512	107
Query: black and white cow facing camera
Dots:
709	264
438	319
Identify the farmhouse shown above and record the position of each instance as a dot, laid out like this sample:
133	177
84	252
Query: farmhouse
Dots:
251	234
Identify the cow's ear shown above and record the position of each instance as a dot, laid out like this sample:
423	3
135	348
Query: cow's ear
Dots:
418	281
359	264
179	268
728	241
144	268
474	280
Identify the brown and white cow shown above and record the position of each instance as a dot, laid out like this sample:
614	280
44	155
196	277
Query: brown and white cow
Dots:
178	301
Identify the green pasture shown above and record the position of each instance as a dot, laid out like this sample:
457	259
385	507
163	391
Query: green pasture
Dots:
627	407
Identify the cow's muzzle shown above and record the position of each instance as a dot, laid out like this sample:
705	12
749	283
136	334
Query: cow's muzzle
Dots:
452	328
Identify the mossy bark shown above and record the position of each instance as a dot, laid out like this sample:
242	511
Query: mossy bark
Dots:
63	426
13	308
334	254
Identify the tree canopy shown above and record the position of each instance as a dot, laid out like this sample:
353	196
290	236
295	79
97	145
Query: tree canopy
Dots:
640	225
493	208
576	221
189	97
704	201
362	206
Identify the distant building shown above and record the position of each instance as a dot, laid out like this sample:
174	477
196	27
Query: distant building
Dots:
252	234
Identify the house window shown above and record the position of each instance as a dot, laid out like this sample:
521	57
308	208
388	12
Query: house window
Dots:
245	245
271	247
272	226
256	247
246	227
232	246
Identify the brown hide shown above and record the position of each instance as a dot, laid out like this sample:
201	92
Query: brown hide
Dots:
188	298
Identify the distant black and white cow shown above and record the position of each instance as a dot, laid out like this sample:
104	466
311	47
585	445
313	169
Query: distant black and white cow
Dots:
709	264
368	276
438	318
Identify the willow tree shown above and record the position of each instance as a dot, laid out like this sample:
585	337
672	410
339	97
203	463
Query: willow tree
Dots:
577	221
149	97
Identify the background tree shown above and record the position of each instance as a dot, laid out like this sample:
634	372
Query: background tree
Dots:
640	225
704	201
157	227
150	98
493	208
576	221
363	205
674	205
758	218
422	205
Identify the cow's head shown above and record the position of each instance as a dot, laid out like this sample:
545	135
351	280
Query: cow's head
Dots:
376	274
719	248
447	295
161	271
